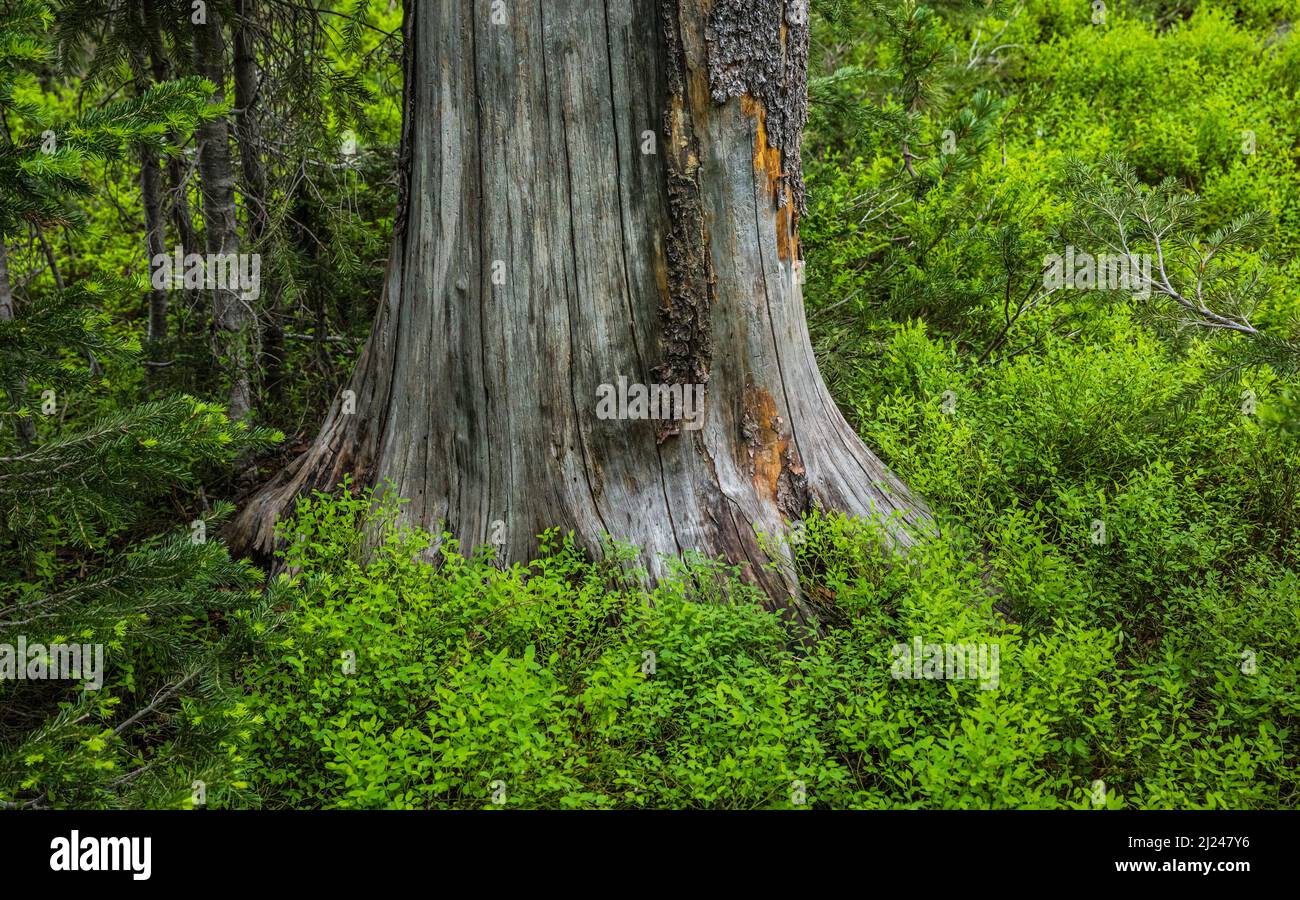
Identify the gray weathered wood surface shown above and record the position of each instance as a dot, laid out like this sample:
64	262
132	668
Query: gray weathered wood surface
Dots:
525	146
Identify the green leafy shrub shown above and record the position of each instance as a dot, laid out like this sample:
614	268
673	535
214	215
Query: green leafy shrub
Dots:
416	677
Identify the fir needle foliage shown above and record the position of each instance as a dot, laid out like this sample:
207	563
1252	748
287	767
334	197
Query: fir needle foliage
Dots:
89	555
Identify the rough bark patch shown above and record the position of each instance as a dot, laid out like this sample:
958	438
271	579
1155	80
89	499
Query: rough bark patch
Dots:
760	48
685	340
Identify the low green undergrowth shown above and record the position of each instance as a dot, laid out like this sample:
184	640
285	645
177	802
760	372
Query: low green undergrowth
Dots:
404	683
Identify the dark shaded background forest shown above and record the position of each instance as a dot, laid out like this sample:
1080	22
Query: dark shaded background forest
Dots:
1115	478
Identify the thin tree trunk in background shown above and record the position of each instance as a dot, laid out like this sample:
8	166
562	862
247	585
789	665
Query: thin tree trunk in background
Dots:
151	188
24	426
176	204
589	193
151	195
231	316
248	137
246	124
182	219
151	191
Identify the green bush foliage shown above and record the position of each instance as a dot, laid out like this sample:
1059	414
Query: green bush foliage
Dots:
414	677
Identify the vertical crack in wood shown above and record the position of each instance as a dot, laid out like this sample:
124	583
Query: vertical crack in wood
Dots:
408	122
614	101
484	293
590	464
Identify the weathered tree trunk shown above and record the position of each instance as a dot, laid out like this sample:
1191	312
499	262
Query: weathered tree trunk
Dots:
631	176
231	317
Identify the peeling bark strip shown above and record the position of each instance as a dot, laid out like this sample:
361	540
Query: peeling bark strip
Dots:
685	337
759	48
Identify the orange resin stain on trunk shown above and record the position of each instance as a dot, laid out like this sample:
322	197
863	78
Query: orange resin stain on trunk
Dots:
701	100
767	159
768	446
767	167
786	238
